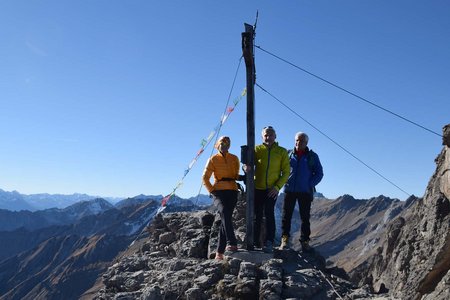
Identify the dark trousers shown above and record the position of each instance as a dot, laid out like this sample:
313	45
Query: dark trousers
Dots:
264	205
225	201
304	206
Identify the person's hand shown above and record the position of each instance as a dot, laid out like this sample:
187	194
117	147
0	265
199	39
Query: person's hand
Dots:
273	193
245	168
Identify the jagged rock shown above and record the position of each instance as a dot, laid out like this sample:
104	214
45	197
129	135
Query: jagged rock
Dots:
441	291
247	270
133	281
272	286
445	175
304	284
227	286
414	261
446	135
195	294
270	289
273	269
234	265
246	288
151	293
207	220
393	232
167	238
361	293
157	275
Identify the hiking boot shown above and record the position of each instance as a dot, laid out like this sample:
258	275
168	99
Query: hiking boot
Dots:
305	246
219	256
284	242
232	248
268	247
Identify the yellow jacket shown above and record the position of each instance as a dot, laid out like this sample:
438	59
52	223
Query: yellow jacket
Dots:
223	167
271	166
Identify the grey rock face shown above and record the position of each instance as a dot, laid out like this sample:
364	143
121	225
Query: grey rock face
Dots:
446	135
445	170
414	261
173	264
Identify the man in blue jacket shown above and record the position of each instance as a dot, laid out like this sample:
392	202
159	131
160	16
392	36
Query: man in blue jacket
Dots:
306	172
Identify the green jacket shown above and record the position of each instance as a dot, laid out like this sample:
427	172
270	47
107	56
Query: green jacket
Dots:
271	166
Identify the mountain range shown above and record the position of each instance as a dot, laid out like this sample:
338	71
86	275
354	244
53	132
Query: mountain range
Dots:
59	253
15	201
378	248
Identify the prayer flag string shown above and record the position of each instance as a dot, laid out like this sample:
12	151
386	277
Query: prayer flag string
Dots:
203	144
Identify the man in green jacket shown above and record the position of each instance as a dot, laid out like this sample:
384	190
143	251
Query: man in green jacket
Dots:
271	173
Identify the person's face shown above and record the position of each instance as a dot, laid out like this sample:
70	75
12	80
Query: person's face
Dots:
300	142
223	146
269	137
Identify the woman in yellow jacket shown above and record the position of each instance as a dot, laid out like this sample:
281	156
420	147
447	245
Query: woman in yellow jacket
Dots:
224	190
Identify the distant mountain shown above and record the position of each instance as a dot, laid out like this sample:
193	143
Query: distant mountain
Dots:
14	201
59	267
346	231
62	261
65	260
44	201
59	253
137	200
87	208
200	200
11	220
318	195
203	200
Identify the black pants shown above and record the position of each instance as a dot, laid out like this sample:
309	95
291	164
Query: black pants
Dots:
304	205
264	205
225	201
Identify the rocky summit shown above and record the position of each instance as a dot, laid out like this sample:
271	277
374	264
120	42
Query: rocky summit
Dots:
173	262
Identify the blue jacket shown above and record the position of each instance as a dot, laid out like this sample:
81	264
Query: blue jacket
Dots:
305	173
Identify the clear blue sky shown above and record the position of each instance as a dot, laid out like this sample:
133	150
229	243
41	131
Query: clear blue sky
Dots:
113	98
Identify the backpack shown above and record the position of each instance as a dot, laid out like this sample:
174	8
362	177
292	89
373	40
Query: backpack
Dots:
309	156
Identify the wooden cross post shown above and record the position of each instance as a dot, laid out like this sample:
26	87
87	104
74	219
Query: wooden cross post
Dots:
247	50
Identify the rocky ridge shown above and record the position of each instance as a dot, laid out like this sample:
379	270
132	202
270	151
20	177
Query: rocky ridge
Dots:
414	260
62	262
173	262
358	227
13	220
